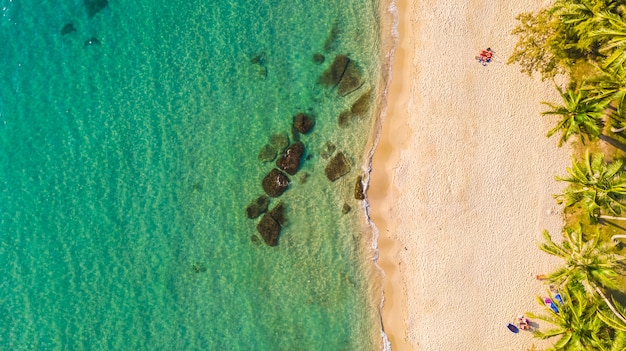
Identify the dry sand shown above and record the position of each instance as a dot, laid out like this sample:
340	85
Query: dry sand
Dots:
462	181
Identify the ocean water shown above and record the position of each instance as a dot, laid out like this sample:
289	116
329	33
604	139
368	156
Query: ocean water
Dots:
128	153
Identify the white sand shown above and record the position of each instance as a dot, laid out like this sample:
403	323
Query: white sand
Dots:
462	181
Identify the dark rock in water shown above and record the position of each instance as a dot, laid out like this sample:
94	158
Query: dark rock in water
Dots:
255	239
362	105
269	229
303	123
328	150
267	153
359	192
198	267
280	141
351	79
95	6
289	161
197	187
331	40
318	58
258	59
68	29
309	157
333	74
275	183
344	119
278	213
346	208
337	167
92	41
257	207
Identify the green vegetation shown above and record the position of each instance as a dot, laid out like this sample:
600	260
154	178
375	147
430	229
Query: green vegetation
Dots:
596	186
585	42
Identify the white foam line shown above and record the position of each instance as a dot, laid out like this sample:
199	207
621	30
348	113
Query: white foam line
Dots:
392	11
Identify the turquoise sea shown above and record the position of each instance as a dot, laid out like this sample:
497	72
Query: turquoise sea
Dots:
128	154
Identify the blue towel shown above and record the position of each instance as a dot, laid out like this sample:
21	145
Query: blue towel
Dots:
558	298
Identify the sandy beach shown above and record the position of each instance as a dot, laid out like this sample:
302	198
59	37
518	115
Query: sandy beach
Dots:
462	181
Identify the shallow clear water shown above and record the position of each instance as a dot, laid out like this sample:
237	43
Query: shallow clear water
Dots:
125	163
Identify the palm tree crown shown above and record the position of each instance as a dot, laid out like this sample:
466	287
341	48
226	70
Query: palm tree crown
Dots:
576	323
595	185
579	115
591	262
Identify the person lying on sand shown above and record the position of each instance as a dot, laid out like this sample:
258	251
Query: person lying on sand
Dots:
524	323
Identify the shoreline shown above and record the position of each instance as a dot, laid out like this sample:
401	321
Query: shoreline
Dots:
385	156
453	209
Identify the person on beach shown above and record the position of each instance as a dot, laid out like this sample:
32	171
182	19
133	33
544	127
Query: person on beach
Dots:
485	56
524	323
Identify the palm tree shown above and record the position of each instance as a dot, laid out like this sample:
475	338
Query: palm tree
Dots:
613	34
583	16
579	115
609	86
577	322
591	263
596	186
619	326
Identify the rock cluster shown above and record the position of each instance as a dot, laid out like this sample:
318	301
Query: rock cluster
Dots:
344	74
276	182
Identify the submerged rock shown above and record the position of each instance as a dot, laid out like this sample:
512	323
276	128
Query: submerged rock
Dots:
345	208
344	119
257	207
267	153
333	36
275	183
359	192
278	213
269	229
318	58
95	6
255	239
304	176
362	105
280	141
258	59
333	74
289	161
68	29
350	80
198	268
262	73
303	123
337	167
328	150
295	134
